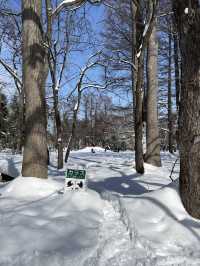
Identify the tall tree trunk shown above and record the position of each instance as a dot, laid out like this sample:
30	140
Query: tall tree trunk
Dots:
137	91
33	54
139	162
170	122
188	21
152	155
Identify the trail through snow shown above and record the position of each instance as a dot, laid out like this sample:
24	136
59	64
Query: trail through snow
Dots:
115	246
122	219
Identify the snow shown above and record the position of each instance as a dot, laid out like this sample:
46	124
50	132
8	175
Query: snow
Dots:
76	106
138	54
23	187
145	30
88	149
186	11
121	219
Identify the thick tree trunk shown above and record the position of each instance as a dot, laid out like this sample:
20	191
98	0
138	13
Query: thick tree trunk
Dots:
33	53
152	155
170	122
188	21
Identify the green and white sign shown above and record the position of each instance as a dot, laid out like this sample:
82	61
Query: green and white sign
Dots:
76	174
75	179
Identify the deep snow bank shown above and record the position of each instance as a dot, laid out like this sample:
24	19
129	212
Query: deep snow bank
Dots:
39	226
30	187
161	221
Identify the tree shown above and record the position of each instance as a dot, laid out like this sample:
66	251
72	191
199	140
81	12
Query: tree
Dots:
84	83
56	73
35	72
126	39
141	34
187	17
152	155
11	62
33	55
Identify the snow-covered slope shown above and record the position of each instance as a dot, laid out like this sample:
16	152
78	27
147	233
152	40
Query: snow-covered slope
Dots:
40	226
122	219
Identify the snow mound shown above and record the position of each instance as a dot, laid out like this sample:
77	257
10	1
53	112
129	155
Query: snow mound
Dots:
57	229
26	187
162	222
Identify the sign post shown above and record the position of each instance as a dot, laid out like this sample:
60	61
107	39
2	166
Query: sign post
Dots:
75	179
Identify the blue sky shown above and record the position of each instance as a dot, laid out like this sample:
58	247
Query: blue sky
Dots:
95	14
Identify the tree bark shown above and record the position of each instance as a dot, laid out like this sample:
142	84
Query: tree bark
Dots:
139	161
152	155
137	84
33	55
188	21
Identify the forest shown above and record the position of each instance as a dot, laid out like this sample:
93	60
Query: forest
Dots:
100	132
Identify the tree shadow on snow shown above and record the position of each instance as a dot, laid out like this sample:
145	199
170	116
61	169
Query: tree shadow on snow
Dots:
124	185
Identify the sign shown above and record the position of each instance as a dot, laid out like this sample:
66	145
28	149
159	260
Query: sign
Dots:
75	179
76	174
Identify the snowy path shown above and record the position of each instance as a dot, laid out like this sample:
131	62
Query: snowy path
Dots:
122	245
115	246
122	219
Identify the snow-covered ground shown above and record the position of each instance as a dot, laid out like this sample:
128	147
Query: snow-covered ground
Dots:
121	219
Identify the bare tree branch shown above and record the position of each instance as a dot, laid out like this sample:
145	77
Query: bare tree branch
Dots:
71	4
11	72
